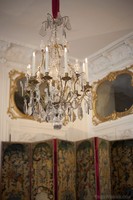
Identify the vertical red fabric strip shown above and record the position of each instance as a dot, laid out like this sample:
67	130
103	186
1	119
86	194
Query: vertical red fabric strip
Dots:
55	170
97	169
58	6
55	8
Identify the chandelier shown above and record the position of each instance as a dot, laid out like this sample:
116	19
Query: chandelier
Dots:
56	89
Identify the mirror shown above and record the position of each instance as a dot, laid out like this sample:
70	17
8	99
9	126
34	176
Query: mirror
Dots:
113	96
16	100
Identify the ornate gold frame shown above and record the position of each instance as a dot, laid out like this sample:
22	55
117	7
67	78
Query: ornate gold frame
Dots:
96	119
13	111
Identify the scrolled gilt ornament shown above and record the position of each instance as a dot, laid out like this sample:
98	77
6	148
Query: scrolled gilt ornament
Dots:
15	109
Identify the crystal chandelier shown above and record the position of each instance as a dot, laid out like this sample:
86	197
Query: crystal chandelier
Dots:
56	89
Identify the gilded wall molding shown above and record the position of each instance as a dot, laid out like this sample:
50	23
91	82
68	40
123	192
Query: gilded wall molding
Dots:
14	110
106	94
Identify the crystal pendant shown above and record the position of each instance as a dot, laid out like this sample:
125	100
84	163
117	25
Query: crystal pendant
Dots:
80	112
73	117
42	114
60	113
42	31
90	105
71	114
44	117
29	110
66	120
35	114
49	116
56	98
57	124
54	72
86	106
75	104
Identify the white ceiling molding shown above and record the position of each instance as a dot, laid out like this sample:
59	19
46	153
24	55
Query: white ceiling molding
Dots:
116	56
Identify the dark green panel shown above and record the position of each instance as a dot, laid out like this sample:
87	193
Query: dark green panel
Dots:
122	169
104	169
66	170
42	171
15	171
85	170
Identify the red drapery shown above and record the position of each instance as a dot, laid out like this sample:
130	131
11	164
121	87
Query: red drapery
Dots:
55	8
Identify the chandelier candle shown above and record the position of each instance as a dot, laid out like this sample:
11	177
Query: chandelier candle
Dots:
83	68
47	59
65	59
77	66
87	70
33	64
29	69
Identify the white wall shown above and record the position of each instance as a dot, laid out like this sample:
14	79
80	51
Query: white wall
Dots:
14	56
116	56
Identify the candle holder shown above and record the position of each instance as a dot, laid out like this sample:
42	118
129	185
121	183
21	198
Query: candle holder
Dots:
47	77
66	77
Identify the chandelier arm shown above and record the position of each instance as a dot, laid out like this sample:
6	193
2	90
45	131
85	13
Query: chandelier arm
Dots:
81	98
64	87
67	98
74	91
69	101
48	16
75	83
84	95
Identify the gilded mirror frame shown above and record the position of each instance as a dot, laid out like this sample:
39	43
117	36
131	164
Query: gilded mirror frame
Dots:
13	111
96	118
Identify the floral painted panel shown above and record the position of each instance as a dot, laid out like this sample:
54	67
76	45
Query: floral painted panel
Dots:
122	169
104	168
66	170
85	178
15	171
42	171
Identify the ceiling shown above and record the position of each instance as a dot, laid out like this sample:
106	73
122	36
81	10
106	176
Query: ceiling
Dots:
95	23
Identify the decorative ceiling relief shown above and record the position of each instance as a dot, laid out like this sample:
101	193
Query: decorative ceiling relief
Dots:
114	57
4	45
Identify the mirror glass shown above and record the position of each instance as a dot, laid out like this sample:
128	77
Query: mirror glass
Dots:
18	94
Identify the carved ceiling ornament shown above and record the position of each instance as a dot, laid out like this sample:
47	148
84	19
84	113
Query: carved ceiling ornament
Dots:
4	45
113	96
117	55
